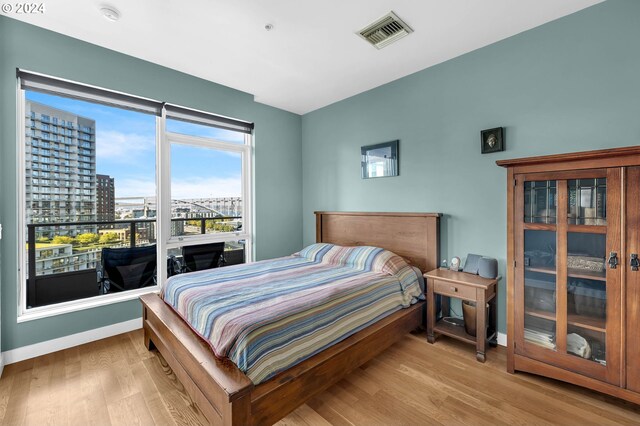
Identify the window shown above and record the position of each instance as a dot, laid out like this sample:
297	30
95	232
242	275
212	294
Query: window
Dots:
203	192
209	186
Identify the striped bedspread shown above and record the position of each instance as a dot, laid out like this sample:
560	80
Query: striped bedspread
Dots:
268	316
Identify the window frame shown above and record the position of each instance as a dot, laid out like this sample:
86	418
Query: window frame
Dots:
164	196
163	140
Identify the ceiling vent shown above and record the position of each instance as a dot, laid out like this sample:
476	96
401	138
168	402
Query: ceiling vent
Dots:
385	31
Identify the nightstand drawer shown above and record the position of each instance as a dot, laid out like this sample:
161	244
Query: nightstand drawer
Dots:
454	290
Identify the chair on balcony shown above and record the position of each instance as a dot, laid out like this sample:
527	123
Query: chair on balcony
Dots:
202	256
127	268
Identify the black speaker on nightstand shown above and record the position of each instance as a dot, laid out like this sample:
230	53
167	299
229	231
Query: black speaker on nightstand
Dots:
488	267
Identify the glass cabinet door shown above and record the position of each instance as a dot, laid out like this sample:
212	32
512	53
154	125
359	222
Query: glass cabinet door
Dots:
587	203
540	288
568	230
587	296
540	207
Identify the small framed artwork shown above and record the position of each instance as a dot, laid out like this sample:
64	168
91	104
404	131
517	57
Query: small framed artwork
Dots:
492	140
379	160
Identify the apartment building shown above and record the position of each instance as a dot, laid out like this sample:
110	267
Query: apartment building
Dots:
60	179
105	198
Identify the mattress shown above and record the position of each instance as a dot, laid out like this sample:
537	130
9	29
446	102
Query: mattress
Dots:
268	316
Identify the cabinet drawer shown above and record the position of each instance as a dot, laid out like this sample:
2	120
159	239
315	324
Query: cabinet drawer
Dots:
454	290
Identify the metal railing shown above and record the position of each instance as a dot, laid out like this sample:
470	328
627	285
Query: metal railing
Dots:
132	223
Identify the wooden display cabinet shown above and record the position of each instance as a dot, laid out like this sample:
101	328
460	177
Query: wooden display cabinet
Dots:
573	286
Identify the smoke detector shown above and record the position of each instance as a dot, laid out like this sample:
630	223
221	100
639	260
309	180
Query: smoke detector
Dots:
110	13
385	31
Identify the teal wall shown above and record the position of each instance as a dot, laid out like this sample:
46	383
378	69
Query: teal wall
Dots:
570	85
277	156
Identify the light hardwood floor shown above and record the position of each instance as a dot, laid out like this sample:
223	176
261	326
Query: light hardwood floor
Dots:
116	381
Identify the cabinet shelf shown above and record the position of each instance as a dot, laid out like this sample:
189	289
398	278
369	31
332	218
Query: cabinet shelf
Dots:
582	321
541	314
453	330
571	273
534	226
588	229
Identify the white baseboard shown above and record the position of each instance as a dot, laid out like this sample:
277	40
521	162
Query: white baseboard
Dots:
502	339
54	345
1	364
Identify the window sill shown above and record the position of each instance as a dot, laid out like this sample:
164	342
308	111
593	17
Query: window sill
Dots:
79	305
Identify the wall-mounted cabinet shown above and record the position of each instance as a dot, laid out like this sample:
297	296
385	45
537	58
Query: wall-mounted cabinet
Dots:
573	284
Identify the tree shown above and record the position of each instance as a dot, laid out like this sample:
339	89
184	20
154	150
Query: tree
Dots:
224	227
62	239
88	238
220	226
109	237
43	240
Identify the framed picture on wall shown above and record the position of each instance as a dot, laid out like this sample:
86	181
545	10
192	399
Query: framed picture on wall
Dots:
492	140
380	160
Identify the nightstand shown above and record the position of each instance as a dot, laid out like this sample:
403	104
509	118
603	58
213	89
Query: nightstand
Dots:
464	286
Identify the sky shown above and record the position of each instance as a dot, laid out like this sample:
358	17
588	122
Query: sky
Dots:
125	150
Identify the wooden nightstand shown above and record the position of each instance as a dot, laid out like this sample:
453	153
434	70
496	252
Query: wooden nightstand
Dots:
464	286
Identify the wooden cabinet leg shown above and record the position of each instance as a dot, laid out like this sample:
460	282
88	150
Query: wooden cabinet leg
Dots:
431	311
493	324
481	324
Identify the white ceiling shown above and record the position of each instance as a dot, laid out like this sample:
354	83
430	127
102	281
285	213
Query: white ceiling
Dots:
311	57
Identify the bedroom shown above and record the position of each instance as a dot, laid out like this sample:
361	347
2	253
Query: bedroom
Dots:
566	86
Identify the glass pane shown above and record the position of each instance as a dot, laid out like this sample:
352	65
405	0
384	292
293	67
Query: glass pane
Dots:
192	129
89	181
540	287
586	343
586	255
181	226
540	201
587	201
586	296
540	331
205	256
206	191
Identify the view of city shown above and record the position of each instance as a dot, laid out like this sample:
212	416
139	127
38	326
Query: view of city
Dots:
90	183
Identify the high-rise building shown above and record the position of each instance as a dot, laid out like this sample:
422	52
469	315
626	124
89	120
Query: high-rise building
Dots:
60	174
105	198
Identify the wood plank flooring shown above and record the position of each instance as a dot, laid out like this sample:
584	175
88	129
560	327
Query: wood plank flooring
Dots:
116	381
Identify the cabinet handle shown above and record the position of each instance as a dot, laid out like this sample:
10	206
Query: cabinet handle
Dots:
613	260
634	263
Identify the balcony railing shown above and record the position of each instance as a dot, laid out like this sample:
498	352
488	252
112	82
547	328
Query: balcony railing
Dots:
57	287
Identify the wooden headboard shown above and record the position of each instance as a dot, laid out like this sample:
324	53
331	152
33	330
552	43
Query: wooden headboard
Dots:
414	236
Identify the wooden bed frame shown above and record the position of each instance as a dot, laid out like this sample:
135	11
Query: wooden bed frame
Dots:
227	397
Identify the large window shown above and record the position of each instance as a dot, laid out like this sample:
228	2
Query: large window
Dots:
115	190
207	191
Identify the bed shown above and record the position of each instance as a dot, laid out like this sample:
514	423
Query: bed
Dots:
227	396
